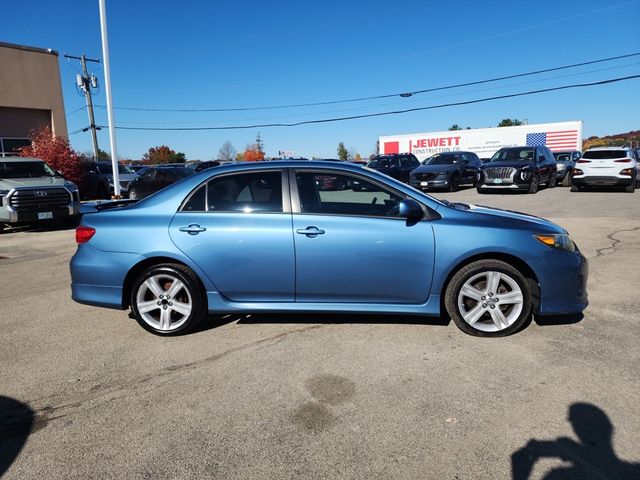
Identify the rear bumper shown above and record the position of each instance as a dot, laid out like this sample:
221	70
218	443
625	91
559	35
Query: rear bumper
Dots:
562	277
604	180
97	277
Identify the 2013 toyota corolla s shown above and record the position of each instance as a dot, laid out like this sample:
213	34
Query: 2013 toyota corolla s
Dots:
270	237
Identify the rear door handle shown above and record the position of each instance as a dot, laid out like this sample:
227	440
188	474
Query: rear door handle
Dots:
192	229
310	232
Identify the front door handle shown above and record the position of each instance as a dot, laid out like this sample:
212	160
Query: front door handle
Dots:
192	229
310	232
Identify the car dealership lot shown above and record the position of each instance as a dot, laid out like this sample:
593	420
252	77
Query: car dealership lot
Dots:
322	396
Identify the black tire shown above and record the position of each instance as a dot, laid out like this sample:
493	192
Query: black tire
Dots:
566	181
103	192
454	183
535	183
473	269
552	181
630	188
193	291
480	191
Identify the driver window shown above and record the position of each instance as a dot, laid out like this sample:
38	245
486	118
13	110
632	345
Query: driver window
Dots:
331	194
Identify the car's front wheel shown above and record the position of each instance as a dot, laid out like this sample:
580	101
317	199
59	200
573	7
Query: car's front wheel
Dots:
488	298
168	299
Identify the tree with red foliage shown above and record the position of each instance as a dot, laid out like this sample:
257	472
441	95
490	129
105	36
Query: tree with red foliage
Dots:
253	153
56	152
162	154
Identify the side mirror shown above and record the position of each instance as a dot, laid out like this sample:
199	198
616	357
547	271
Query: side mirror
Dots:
411	210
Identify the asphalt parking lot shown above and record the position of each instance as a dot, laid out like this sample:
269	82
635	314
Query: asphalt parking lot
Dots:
86	393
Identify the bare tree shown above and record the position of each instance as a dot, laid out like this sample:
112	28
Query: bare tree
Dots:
227	152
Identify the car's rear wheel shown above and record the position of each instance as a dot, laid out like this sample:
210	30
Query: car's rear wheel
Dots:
566	181
488	298
168	299
630	188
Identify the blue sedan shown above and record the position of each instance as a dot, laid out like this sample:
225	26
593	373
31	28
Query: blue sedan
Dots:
271	237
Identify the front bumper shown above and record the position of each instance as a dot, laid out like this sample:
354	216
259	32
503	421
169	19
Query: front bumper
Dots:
503	186
562	277
30	210
603	180
430	184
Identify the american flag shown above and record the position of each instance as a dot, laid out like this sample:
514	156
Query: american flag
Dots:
556	141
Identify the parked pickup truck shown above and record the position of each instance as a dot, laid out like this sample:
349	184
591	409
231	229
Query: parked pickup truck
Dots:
32	192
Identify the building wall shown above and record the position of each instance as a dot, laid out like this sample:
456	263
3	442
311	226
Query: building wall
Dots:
30	91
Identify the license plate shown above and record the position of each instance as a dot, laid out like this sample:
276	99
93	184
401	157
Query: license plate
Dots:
497	180
45	215
424	184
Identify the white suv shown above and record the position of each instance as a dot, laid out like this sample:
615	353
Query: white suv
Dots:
606	166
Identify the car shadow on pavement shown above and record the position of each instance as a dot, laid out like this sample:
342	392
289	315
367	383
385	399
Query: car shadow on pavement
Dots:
16	422
591	457
341	318
555	320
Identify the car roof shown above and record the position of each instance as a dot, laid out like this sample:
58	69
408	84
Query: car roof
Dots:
608	148
20	159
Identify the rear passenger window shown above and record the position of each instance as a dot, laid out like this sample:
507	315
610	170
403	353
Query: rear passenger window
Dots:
197	202
246	192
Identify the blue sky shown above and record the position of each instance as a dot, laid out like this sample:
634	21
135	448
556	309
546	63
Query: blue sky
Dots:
219	54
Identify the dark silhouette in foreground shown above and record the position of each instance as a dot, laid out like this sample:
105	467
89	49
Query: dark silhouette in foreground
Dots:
591	457
16	420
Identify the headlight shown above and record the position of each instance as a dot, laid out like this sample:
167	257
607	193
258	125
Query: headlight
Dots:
558	240
525	174
71	186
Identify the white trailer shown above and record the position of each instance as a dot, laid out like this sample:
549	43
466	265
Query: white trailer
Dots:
484	142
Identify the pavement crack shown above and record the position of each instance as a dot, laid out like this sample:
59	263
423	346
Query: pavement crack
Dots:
613	248
97	396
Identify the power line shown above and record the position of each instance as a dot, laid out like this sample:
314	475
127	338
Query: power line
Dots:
377	97
380	114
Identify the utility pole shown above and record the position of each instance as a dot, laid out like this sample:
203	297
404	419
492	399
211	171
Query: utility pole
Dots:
86	82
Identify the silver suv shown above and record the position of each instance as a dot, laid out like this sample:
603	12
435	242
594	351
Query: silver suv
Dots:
31	191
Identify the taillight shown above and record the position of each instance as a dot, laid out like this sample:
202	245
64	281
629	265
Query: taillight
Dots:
84	234
628	171
626	160
577	171
583	161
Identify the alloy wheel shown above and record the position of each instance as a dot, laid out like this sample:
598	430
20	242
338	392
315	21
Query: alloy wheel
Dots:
164	302
490	301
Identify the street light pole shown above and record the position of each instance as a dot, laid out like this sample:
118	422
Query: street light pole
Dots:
107	87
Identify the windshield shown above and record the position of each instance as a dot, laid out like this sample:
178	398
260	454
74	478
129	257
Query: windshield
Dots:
604	154
382	162
106	168
514	154
441	160
563	157
32	169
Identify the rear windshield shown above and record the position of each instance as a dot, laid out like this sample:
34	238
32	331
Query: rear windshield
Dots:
563	157
106	168
604	154
25	170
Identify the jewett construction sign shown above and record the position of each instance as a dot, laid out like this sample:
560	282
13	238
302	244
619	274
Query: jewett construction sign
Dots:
484	142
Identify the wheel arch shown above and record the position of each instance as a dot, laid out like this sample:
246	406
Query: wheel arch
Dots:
141	266
513	260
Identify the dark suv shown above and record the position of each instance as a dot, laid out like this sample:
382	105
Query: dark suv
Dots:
518	168
446	170
566	163
397	165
